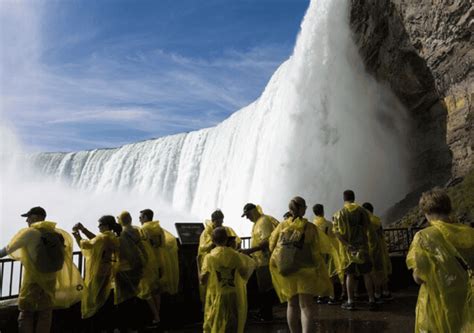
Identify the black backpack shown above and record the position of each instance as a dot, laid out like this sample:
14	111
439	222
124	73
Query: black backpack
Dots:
49	252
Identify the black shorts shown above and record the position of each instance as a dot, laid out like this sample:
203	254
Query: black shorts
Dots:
359	268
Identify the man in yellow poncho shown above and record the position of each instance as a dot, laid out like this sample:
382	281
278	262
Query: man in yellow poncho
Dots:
442	259
353	229
331	244
50	279
381	264
206	244
161	272
100	253
261	231
225	272
297	267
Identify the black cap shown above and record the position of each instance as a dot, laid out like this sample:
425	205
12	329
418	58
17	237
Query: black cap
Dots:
35	211
247	208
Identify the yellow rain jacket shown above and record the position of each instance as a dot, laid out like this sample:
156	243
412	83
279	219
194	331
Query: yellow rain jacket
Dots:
312	277
330	246
226	296
442	255
42	291
379	251
100	254
206	246
161	272
352	223
132	259
261	231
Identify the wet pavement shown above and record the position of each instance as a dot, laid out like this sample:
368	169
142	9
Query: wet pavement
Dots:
397	316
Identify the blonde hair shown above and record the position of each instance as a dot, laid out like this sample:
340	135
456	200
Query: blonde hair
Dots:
124	218
435	201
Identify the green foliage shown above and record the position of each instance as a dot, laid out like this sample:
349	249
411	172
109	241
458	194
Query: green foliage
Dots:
462	198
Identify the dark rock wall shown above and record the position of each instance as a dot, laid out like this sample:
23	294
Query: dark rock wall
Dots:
423	50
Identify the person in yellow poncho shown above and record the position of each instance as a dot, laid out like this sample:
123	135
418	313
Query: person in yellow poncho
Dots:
353	229
50	279
132	259
297	267
263	226
442	259
161	272
381	264
225	272
330	246
100	253
206	245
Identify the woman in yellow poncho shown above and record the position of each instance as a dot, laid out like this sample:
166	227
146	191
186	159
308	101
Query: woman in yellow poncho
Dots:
225	272
206	245
50	279
381	264
100	253
297	267
161	272
442	259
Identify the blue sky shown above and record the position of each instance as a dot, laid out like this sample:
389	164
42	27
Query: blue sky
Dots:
88	74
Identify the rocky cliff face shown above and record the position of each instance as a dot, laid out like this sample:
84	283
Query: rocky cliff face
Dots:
423	50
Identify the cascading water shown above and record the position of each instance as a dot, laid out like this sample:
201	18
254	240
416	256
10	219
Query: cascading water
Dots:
321	126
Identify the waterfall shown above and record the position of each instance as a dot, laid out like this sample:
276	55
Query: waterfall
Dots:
321	125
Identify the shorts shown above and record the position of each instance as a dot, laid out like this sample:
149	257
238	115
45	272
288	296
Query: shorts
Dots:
359	268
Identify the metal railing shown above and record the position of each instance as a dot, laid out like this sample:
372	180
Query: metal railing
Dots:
11	271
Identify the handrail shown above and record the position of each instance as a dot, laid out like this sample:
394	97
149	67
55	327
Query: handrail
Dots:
398	242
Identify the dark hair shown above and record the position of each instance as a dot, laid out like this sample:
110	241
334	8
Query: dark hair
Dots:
217	214
435	201
318	210
219	236
109	221
295	204
368	206
349	195
148	213
287	215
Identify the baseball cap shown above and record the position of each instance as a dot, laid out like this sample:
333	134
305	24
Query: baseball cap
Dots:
35	211
247	208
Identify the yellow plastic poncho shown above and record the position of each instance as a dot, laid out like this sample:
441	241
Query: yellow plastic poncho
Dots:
330	246
352	223
312	278
379	251
131	263
161	272
442	255
206	245
261	231
205	240
100	254
42	291
226	296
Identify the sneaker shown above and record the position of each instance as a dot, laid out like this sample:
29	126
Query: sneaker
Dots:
387	297
321	300
372	306
348	306
379	300
333	301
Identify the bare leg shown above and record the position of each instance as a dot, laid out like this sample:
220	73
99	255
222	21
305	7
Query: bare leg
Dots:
43	324
293	314
350	282
307	312
157	299
377	279
153	309
369	286
26	321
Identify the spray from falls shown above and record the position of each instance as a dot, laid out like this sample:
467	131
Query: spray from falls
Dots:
321	125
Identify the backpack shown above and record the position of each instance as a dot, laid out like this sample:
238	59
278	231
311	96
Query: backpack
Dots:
292	254
49	252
